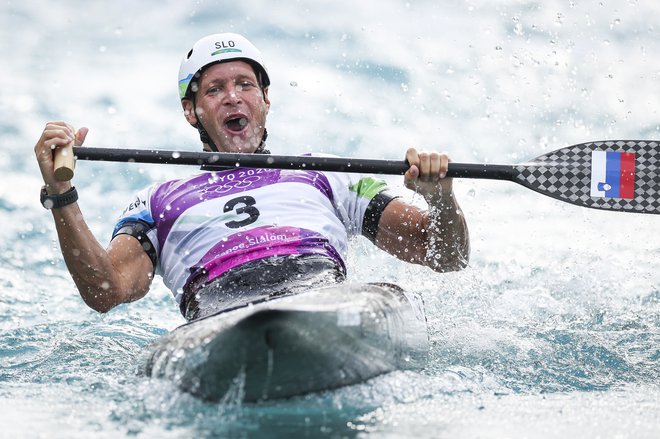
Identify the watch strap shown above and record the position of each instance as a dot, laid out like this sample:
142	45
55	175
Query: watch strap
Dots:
56	201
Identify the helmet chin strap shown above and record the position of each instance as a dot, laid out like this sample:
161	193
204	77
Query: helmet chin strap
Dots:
204	136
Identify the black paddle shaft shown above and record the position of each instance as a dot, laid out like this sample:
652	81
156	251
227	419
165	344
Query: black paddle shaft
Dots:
212	160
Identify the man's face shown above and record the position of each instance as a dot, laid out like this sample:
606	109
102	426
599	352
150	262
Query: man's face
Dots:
231	106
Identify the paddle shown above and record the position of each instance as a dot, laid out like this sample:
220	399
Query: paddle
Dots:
620	175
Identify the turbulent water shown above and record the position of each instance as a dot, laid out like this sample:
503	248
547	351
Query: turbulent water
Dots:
554	329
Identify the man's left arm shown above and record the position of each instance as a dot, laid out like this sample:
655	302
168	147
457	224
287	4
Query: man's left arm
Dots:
438	237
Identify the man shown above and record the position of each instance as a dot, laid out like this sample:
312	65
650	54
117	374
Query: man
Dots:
225	238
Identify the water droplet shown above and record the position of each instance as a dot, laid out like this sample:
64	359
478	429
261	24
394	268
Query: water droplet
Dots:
518	29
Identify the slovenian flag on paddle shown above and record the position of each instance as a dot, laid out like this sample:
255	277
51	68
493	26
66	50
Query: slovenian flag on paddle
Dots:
613	174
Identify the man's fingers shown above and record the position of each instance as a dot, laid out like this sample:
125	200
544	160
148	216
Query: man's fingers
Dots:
424	165
55	135
428	167
435	162
81	135
412	157
444	165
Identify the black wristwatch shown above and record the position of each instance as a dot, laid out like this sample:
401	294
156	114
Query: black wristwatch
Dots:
58	200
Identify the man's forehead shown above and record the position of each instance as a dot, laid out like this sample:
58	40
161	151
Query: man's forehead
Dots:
228	70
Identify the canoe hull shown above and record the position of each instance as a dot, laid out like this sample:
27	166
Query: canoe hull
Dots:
322	339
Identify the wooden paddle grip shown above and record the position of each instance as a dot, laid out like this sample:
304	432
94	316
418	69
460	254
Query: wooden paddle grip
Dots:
64	163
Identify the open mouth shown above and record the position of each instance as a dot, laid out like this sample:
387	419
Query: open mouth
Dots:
236	124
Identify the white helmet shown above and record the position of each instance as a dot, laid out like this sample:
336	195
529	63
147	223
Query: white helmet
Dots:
219	48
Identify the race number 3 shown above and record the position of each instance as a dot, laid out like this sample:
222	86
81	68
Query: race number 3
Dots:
242	206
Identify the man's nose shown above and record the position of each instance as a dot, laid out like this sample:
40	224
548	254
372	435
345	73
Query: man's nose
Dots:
233	95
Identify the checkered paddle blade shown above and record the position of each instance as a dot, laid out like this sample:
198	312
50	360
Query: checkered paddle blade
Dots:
612	175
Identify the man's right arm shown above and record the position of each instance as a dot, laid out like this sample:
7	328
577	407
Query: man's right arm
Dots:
105	277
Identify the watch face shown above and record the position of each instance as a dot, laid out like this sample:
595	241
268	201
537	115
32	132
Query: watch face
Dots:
45	201
48	203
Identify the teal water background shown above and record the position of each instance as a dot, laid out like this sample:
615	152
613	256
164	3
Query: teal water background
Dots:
554	329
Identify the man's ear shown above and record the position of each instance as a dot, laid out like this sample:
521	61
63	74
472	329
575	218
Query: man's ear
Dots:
266	100
189	111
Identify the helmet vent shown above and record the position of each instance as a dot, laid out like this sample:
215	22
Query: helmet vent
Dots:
190	53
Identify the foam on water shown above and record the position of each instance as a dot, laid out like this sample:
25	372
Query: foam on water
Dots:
553	330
